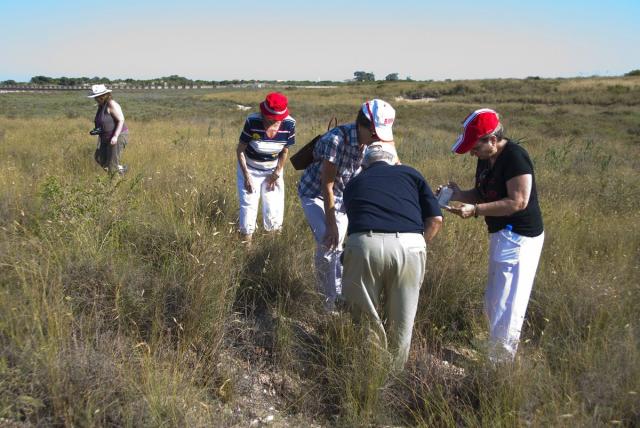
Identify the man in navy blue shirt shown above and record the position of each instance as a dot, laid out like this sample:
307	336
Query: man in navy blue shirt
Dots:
392	214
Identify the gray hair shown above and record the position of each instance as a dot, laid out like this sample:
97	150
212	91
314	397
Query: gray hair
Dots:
378	152
498	133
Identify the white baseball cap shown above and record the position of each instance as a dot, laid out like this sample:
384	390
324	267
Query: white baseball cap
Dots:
381	115
97	90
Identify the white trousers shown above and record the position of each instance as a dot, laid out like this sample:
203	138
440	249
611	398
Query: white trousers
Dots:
272	201
327	263
513	260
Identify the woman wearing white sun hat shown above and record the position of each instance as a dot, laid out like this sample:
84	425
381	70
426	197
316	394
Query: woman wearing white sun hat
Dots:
505	195
110	128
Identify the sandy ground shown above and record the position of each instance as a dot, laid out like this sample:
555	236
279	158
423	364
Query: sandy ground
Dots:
416	101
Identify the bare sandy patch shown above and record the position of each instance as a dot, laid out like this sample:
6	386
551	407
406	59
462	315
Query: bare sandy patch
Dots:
415	101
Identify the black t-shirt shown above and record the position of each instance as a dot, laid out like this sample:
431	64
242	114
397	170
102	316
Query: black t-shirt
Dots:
491	184
389	198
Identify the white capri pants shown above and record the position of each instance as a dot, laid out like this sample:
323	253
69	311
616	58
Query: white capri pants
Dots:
327	263
272	201
513	260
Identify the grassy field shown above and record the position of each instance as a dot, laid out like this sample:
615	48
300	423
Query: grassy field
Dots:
131	302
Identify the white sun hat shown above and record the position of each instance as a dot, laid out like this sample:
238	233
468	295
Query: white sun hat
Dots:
381	115
97	90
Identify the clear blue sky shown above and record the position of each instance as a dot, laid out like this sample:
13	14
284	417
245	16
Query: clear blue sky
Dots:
285	39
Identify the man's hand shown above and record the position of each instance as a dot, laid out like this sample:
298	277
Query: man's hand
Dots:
114	141
432	226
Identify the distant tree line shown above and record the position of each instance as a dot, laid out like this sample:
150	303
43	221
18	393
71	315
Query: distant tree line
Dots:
366	76
173	80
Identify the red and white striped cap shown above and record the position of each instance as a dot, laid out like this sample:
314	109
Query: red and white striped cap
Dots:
274	106
478	124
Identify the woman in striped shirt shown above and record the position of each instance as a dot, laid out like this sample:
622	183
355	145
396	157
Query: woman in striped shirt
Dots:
262	153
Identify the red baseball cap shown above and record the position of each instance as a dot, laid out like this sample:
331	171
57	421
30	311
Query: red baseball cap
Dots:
274	106
478	124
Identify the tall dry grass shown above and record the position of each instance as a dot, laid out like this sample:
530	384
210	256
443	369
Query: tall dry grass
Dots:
131	302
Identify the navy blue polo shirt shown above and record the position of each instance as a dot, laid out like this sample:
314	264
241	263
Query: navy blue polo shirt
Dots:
389	198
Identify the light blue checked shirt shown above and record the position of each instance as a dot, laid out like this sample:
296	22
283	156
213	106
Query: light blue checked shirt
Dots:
347	157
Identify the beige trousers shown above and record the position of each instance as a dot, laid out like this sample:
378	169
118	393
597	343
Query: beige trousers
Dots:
382	276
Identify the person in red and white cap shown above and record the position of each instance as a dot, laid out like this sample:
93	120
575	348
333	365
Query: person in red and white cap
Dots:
337	156
262	152
505	195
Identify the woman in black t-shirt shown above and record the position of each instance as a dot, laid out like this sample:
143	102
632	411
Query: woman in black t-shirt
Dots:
505	195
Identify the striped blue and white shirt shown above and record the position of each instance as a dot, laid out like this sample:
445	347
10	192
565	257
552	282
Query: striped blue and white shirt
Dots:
262	152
